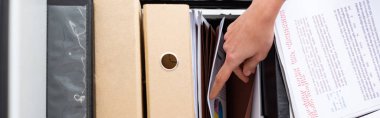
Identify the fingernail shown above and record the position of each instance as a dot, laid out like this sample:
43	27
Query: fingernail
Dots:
212	96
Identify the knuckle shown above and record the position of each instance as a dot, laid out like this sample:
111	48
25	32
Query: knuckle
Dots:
230	58
229	28
225	47
260	57
257	59
226	36
263	56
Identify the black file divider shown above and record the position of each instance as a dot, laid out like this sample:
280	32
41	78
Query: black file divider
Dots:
210	4
4	8
283	110
70	59
274	96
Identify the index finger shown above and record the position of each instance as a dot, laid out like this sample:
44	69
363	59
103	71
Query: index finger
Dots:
220	79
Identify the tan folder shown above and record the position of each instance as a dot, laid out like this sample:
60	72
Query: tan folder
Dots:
117	59
167	39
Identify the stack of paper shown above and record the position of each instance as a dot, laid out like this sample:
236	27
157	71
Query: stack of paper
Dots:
329	55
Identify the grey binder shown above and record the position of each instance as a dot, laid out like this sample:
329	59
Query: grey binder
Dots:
69	59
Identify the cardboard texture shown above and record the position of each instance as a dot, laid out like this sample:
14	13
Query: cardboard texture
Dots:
167	31
118	59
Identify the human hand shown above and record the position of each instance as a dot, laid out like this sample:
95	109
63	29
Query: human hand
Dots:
247	42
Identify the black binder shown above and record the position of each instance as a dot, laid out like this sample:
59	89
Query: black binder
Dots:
69	58
4	58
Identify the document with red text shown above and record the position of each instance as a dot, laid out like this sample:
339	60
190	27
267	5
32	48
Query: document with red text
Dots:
330	56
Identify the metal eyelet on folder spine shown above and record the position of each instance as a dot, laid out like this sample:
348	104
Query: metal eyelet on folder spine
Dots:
169	61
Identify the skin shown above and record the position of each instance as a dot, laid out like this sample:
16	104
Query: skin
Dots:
247	42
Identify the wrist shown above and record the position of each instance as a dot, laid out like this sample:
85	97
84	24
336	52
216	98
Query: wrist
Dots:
265	10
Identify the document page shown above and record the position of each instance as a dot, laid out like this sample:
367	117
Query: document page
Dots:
194	45
330	54
375	114
218	108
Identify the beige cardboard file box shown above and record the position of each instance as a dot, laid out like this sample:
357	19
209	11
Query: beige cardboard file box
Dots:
170	89
117	59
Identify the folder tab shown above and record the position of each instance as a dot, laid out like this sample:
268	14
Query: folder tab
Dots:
118	59
169	76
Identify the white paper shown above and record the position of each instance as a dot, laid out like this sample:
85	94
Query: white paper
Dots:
194	57
27	59
375	114
256	104
218	106
329	50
